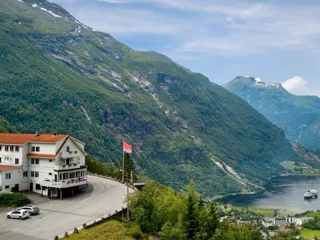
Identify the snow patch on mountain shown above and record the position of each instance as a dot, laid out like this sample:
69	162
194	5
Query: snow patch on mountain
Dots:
46	10
259	82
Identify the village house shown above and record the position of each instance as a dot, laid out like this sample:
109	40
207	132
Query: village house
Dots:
48	164
271	222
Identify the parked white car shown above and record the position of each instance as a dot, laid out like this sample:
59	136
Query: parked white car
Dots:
32	210
18	214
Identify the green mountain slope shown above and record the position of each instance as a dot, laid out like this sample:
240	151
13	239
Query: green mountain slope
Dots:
60	75
6	127
299	116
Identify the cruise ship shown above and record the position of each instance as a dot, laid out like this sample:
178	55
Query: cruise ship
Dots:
311	194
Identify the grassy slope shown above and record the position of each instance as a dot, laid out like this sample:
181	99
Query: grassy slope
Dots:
111	230
87	84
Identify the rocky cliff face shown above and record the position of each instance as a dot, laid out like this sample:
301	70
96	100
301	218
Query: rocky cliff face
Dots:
60	75
299	116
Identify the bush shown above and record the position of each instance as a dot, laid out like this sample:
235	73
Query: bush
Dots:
133	230
13	200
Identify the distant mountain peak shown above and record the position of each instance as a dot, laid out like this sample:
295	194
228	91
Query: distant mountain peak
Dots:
254	81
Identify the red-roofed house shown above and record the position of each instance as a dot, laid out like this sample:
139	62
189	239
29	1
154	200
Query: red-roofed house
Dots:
48	164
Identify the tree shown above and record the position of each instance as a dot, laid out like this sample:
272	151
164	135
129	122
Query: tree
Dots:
129	165
191	218
229	231
213	220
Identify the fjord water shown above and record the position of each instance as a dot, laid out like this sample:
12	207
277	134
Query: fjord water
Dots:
282	193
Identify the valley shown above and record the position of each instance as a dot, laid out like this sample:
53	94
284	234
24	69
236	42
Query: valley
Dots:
89	85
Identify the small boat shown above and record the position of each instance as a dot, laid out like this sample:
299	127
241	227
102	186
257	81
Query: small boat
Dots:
311	194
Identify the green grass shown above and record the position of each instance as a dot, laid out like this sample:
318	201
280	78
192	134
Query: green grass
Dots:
288	164
267	212
314	214
111	230
307	233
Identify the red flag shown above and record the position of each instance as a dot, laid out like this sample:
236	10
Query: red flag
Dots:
127	147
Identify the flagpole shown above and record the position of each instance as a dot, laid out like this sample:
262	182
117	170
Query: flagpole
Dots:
122	161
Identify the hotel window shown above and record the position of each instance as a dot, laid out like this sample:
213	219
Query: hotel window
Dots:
17	149
38	187
33	149
0	147
11	148
32	160
25	174
6	148
0	160
50	160
16	161
36	174
32	173
50	174
37	149
68	149
7	187
37	161
8	175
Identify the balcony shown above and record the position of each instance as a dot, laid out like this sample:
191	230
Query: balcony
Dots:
65	183
70	166
70	154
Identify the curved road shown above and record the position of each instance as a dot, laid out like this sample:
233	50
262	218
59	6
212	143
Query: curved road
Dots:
101	197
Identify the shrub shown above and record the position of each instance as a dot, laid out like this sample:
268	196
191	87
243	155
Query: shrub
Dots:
13	199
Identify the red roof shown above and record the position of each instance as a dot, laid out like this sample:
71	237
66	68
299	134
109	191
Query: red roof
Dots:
12	138
7	167
39	155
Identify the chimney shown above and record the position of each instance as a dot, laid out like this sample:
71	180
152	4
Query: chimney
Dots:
54	133
37	133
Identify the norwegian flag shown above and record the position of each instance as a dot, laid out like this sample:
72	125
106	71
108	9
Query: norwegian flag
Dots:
127	147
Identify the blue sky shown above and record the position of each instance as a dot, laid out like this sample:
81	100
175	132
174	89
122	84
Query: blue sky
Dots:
277	41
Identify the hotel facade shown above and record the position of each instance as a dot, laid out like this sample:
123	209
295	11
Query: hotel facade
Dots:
48	164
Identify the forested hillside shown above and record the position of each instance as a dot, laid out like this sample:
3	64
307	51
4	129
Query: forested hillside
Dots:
59	75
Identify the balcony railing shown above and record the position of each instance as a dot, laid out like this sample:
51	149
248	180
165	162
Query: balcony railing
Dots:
65	183
70	154
67	167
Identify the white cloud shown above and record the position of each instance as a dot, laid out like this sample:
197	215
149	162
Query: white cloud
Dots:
299	86
225	26
296	85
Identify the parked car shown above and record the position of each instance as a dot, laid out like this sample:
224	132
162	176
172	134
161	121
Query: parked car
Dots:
33	210
18	214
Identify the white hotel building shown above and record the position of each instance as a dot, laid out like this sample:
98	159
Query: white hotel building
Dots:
52	165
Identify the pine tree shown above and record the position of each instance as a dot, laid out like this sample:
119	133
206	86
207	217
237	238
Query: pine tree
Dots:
191	219
213	221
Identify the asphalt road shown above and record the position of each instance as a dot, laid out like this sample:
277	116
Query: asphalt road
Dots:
101	197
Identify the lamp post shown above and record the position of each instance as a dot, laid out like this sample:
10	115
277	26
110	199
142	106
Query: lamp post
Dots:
127	183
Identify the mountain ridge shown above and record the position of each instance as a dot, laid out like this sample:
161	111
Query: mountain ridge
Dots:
60	75
299	116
